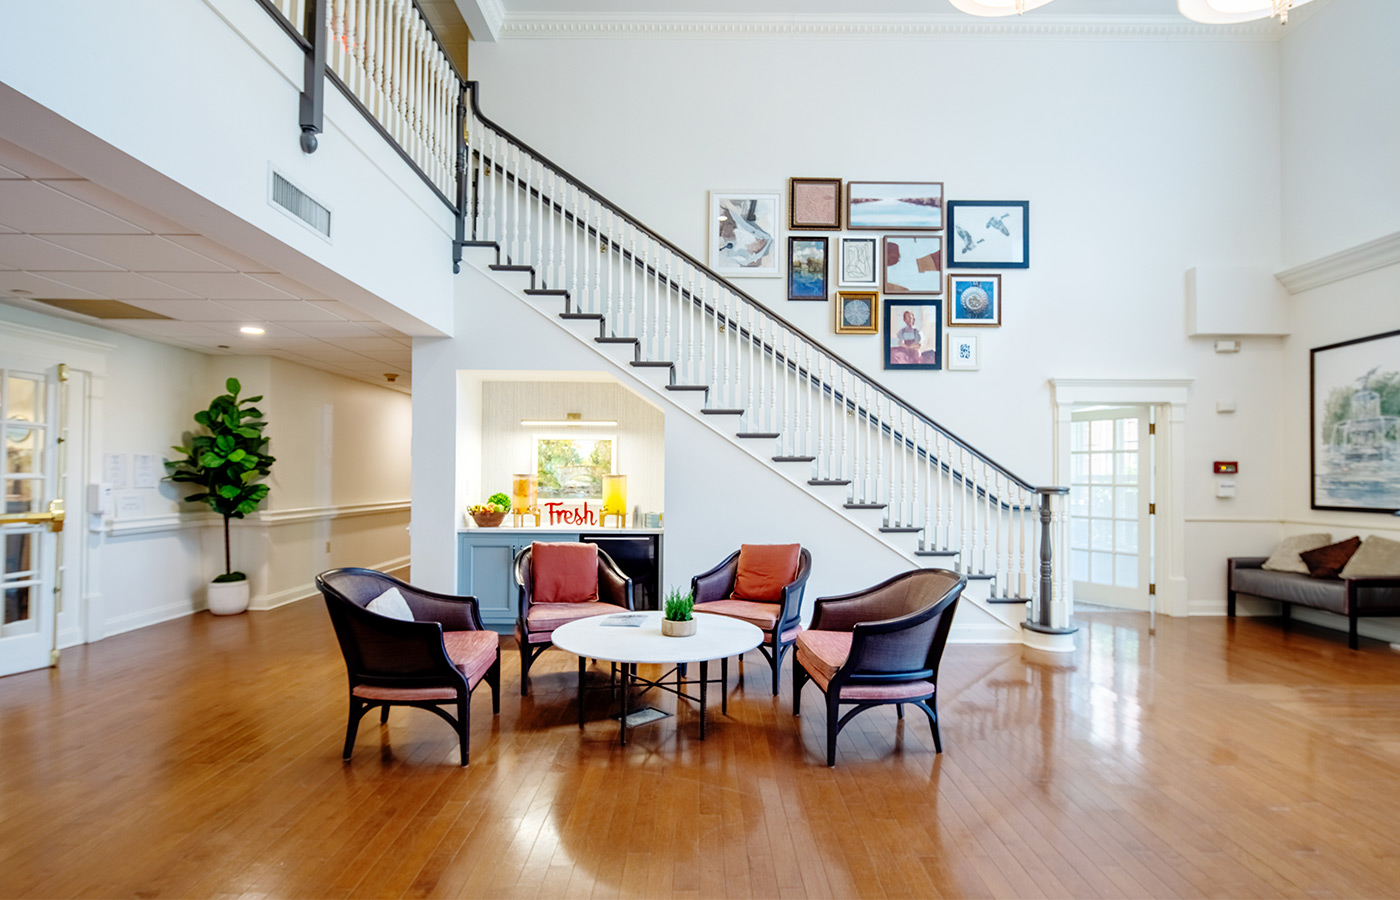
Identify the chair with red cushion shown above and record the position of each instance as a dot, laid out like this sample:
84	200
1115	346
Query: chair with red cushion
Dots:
435	659
760	584
562	582
877	646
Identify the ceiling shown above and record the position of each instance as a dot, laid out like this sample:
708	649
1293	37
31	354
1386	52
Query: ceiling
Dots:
873	8
64	238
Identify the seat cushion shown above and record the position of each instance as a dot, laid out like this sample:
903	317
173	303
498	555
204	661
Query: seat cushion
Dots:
764	615
764	570
403	695
1318	593
564	572
543	618
471	651
821	653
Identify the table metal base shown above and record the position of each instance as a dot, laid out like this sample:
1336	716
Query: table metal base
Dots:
630	677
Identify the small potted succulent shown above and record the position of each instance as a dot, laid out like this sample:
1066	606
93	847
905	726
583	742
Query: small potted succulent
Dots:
491	513
677	620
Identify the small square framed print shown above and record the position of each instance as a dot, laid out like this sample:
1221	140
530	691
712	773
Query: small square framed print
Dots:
963	353
814	204
989	234
913	264
857	312
974	301
809	276
913	333
856	267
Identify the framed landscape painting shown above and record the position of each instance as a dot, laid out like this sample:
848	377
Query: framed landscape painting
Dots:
743	232
913	333
808	273
1356	424
857	263
913	264
894	205
989	234
857	312
814	204
974	300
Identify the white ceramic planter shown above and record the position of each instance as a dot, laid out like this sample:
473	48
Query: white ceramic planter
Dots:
679	629
228	598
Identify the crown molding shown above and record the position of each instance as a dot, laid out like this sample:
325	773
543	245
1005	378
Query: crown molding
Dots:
652	26
1377	254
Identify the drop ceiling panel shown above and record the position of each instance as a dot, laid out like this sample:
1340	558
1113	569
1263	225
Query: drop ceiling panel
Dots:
340	332
9	173
122	285
136	253
282	310
223	286
36	208
119	206
193	310
30	285
163	328
28	164
372	347
290	286
23	251
346	311
217	252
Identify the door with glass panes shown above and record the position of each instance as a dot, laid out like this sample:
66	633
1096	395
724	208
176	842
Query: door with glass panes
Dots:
28	566
1110	497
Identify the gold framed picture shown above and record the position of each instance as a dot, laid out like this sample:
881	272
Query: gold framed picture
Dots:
857	312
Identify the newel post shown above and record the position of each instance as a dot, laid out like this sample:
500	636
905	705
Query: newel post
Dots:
463	152
1047	624
313	93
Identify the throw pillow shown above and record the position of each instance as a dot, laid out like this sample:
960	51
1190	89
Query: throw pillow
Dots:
1377	557
764	570
1286	559
564	572
1326	562
392	604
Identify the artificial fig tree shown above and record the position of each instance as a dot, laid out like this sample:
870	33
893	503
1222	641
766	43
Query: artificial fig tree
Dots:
227	462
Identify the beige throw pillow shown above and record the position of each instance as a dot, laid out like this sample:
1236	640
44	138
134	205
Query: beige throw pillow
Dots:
1286	558
1376	556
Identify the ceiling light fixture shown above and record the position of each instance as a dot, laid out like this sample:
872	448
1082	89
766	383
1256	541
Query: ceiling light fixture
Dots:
251	329
997	7
571	420
1231	12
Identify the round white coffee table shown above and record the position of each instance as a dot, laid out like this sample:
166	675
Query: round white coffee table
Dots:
716	637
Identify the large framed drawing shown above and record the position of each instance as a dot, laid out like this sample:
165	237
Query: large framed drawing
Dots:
743	231
571	467
989	234
808	273
1355	418
894	205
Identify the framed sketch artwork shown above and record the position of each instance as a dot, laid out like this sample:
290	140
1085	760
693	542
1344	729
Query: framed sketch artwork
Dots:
1356	424
808	274
963	353
989	234
974	300
857	312
857	263
743	230
913	333
814	204
913	264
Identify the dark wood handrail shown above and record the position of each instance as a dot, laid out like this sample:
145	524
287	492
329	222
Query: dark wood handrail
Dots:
472	88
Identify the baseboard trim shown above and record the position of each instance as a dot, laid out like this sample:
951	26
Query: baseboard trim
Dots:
148	617
307	589
983	634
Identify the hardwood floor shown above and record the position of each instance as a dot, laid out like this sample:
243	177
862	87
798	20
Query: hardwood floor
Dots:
201	758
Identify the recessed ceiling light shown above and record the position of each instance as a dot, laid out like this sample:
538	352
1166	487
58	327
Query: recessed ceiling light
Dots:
21	292
251	329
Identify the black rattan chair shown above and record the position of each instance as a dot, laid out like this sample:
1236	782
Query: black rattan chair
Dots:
779	621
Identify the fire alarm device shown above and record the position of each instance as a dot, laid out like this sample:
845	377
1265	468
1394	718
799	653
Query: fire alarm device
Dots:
1227	468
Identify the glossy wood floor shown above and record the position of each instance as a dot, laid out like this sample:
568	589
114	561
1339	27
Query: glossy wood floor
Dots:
201	758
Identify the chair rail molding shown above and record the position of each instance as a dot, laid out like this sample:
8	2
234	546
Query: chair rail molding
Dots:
174	521
1357	260
1169	395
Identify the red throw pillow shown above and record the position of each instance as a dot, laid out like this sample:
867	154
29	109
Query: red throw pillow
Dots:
564	573
1327	562
764	570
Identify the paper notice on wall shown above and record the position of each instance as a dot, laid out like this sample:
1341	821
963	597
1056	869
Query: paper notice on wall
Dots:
114	470
145	470
130	507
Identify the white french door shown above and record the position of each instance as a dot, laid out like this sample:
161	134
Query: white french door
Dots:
1110	498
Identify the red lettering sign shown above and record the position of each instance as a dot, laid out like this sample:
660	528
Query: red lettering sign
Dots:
580	515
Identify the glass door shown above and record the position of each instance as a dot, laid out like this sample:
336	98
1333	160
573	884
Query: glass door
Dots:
28	565
1110	486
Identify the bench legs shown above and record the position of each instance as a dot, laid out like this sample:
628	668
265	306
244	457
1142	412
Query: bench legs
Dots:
1351	630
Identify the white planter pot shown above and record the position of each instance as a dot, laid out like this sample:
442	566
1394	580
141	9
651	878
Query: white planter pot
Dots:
228	598
679	629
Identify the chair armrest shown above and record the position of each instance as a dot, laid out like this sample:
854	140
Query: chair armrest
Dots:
523	581
613	586
792	593
717	583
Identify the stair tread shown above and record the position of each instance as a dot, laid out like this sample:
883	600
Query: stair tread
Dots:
794	459
979	576
573	315
865	506
722	412
687	387
1008	599
827	481
546	292
937	552
492	244
651	364
900	529
615	340
769	435
508	267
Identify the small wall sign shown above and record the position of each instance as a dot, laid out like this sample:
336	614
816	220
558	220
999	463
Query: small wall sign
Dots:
1226	468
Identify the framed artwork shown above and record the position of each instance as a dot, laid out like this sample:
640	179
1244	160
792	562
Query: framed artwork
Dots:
989	234
974	300
571	467
743	233
913	333
857	312
808	273
1355	424
894	205
814	204
963	353
913	264
857	263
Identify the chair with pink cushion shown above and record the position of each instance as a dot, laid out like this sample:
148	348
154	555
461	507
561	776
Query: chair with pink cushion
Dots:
561	582
761	584
878	646
428	650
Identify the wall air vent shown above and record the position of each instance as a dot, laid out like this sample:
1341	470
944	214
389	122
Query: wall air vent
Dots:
298	204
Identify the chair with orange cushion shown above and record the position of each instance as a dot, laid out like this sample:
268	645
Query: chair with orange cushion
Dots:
761	584
562	582
877	646
405	646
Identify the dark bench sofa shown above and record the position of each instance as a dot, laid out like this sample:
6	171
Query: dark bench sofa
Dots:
1350	597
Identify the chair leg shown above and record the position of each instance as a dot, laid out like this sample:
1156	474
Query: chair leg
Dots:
357	710
899	710
464	723
724	685
799	678
493	678
833	725
930	710
525	666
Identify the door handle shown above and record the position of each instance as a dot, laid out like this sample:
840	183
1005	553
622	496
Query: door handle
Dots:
53	518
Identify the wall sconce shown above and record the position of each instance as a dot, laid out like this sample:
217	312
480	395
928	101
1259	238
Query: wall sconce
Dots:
614	500
524	498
